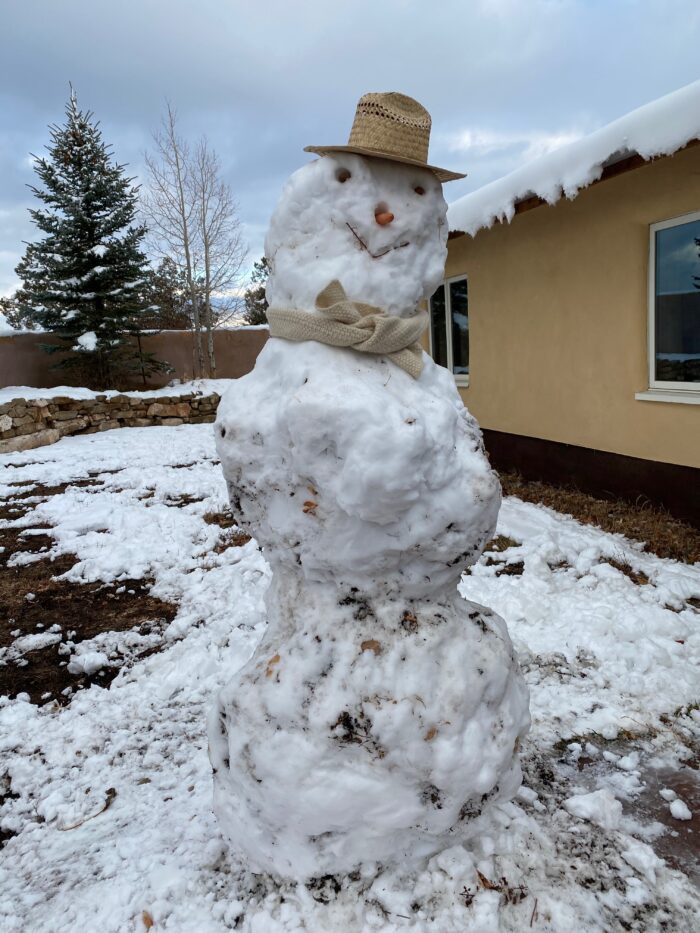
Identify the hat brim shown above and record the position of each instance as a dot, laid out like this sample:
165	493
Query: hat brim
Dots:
442	174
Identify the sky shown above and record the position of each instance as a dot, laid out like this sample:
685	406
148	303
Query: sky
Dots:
504	80
678	261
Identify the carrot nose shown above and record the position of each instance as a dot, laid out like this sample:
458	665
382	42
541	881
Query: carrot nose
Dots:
383	218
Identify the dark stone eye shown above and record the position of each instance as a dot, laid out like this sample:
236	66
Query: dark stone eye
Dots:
419	190
342	175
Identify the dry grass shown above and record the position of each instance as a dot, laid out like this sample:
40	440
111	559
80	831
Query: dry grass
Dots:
636	576
660	533
232	535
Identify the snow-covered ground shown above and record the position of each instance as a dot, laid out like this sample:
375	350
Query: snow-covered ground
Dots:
109	798
198	386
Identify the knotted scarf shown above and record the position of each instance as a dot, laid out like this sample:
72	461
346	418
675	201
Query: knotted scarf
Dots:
363	327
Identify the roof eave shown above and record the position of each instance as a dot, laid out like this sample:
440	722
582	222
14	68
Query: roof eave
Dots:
616	164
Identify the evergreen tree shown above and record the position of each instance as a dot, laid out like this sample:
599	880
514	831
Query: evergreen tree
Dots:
86	280
170	307
15	315
255	302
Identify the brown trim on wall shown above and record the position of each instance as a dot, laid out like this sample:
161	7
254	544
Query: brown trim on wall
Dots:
610	171
676	488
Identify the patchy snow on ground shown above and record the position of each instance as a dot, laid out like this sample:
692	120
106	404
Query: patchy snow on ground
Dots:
106	802
659	128
197	386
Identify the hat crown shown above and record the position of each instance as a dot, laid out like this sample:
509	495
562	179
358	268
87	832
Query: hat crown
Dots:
397	107
392	124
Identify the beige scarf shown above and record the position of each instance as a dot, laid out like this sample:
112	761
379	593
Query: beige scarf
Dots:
346	323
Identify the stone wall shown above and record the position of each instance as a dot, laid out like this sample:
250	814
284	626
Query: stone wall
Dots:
29	423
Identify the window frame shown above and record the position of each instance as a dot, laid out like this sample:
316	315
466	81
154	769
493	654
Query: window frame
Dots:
461	379
661	390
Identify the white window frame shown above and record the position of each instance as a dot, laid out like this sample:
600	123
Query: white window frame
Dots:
462	379
662	390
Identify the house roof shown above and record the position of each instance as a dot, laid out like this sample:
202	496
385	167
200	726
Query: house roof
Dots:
660	128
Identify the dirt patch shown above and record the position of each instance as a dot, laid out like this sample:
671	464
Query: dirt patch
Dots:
636	576
659	532
6	793
679	842
34	602
222	519
509	570
194	463
231	539
232	535
37	490
501	543
76	612
559	565
180	502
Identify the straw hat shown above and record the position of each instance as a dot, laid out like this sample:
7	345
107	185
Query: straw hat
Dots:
390	126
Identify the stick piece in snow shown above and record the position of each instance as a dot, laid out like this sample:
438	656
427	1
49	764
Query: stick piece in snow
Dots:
110	794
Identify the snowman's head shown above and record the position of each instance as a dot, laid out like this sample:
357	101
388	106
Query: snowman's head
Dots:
377	226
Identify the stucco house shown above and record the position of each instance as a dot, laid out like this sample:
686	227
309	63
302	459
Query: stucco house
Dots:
570	312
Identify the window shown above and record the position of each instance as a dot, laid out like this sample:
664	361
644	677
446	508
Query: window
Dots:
674	310
449	328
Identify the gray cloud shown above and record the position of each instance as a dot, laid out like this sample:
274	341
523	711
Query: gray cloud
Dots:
500	77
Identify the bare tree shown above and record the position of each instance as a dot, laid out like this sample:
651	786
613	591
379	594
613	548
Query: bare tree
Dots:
219	239
169	205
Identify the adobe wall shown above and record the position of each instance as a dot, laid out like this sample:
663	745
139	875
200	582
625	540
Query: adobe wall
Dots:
558	317
23	362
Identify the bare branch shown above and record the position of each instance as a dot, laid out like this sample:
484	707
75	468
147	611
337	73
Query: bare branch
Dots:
170	208
220	240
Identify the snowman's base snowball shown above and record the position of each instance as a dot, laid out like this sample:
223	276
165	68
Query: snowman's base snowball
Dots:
365	730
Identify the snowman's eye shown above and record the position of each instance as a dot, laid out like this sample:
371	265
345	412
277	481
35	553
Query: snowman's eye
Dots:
419	190
342	175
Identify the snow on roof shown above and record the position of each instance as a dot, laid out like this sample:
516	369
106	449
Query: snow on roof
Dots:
659	128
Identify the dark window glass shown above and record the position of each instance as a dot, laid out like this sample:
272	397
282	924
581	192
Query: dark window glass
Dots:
459	306
438	326
677	303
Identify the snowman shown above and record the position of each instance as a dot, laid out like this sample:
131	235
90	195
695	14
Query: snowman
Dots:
381	713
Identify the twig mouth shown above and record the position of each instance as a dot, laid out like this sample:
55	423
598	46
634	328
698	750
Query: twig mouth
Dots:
364	246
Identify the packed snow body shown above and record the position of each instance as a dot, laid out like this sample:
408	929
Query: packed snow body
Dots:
381	712
393	704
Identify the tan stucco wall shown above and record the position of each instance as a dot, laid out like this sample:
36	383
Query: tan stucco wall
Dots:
23	362
558	317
